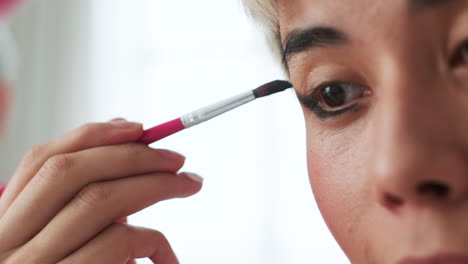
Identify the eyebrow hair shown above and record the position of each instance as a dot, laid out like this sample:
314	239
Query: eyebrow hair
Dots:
417	5
300	40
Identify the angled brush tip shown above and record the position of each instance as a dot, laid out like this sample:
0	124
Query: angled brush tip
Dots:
271	88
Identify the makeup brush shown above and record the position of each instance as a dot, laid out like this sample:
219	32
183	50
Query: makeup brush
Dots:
204	114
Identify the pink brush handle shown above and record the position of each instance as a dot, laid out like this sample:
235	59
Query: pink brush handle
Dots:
2	189
7	5
159	132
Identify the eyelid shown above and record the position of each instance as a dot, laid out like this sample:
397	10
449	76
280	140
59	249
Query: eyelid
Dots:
457	36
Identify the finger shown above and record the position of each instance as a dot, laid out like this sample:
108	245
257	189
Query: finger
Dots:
62	177
100	204
121	243
87	136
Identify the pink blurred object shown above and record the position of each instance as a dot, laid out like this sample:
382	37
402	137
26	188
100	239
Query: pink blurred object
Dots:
2	189
7	5
164	130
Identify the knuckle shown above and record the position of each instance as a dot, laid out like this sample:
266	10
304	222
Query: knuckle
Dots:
93	195
33	153
159	238
57	165
154	238
161	241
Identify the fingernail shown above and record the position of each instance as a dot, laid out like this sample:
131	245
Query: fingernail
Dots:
194	177
122	123
119	118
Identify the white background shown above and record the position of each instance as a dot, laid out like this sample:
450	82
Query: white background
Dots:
151	61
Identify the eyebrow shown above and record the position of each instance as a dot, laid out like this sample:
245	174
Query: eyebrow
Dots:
418	5
300	40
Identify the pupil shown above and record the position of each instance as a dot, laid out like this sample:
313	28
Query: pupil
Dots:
334	96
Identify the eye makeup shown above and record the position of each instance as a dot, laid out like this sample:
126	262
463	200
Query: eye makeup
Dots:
333	99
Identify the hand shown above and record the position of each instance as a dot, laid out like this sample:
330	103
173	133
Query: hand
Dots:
65	200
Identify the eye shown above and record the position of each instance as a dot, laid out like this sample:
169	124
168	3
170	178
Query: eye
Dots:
461	55
334	99
338	95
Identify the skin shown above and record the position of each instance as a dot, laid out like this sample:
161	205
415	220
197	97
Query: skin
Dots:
376	171
68	199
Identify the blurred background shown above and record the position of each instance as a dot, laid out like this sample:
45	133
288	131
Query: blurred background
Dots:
151	61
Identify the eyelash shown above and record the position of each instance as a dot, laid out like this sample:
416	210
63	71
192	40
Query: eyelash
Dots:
314	100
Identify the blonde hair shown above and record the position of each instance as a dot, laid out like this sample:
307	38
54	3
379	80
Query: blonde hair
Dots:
265	13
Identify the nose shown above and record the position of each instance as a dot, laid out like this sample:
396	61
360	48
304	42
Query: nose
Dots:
420	148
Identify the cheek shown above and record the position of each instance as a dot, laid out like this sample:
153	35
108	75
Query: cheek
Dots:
337	164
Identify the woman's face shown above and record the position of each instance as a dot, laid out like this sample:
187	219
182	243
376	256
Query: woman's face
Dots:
384	89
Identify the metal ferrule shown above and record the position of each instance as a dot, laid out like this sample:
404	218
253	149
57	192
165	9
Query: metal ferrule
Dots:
206	113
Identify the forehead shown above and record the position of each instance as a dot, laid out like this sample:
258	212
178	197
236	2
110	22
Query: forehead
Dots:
342	13
362	22
356	14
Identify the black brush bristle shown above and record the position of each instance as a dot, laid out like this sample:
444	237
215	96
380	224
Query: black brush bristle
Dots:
271	88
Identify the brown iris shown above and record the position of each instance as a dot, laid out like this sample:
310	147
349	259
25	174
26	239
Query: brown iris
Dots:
334	95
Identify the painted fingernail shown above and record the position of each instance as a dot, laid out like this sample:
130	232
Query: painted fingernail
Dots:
194	177
124	124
